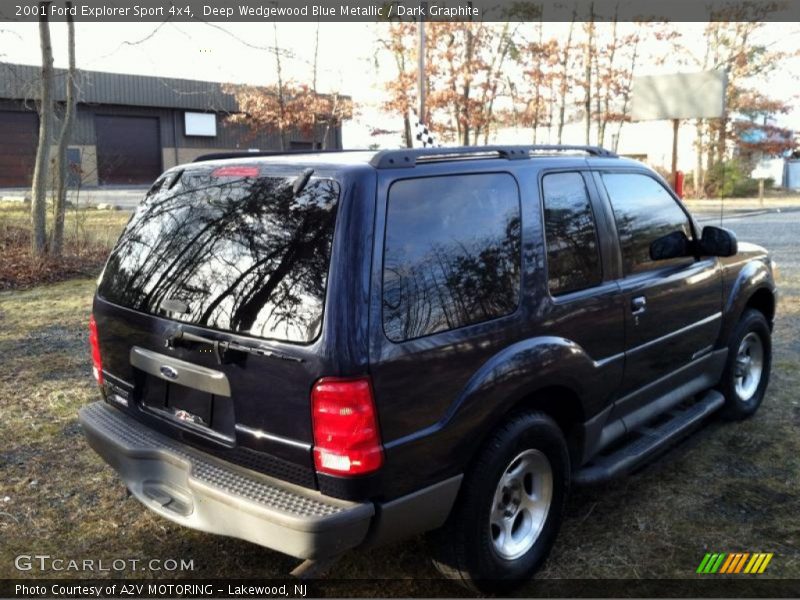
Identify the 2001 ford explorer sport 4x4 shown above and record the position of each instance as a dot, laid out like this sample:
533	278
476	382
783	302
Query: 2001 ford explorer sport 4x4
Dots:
315	352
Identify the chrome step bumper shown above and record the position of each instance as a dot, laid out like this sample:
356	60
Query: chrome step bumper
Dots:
199	491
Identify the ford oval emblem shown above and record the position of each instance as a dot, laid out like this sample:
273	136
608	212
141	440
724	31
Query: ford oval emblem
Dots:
169	372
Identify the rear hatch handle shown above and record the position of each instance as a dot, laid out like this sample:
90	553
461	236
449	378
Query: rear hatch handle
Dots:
222	349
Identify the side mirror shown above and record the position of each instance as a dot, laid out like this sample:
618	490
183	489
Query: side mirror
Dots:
717	241
672	245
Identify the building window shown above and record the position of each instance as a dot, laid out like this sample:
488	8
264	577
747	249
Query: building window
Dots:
295	145
200	124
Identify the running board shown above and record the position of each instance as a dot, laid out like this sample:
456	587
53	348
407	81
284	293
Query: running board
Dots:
650	442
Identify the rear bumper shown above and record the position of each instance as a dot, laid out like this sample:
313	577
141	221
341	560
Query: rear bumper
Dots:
199	491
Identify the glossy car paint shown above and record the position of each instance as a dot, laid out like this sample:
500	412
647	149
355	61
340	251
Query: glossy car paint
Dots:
439	396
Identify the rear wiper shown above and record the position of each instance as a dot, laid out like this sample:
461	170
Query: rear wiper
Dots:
301	182
222	348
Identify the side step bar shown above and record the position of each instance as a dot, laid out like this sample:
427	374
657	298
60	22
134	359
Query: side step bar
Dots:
650	442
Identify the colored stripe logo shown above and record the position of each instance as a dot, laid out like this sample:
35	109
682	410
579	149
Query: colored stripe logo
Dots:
734	563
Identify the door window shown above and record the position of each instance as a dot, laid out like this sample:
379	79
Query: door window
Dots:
573	256
644	211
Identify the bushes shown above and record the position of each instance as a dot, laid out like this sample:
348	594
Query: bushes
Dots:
89	236
731	179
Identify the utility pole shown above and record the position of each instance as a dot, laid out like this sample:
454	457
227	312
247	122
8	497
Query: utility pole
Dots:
421	60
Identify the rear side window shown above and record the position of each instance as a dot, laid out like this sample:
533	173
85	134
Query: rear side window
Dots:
452	253
573	257
644	211
240	252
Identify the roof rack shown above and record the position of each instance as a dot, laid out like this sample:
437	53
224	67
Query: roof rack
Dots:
407	158
224	155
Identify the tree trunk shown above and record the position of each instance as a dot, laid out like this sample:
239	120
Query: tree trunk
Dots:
466	93
626	96
60	207
564	83
316	97
588	76
495	73
407	135
281	98
711	133
699	179
39	187
722	138
331	118
538	83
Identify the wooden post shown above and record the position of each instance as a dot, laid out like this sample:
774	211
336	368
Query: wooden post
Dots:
676	123
761	191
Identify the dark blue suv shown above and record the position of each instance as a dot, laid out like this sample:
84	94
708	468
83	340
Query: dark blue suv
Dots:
315	352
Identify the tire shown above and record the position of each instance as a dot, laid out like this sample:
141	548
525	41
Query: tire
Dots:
497	537
744	381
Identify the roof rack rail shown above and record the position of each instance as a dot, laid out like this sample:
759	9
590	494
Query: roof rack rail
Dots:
224	155
407	158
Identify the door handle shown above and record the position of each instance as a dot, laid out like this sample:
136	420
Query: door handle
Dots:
638	305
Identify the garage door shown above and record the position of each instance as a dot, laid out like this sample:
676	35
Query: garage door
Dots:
128	150
18	142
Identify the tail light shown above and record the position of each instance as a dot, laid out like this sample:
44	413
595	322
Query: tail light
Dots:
346	436
94	342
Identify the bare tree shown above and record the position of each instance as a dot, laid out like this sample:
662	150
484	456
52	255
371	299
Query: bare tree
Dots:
60	203
589	53
399	42
39	187
564	81
281	94
314	72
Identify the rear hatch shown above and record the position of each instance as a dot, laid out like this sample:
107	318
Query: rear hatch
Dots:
210	309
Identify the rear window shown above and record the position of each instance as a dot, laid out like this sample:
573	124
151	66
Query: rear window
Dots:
229	252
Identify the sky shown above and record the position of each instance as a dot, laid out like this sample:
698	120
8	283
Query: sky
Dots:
237	52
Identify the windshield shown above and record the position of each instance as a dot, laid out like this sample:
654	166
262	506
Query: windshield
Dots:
239	254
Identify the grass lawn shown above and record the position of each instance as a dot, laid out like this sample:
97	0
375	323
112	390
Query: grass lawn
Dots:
728	488
84	224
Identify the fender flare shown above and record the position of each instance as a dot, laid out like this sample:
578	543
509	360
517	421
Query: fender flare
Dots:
750	279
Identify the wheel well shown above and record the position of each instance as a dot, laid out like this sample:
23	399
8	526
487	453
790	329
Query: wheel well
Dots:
763	301
564	406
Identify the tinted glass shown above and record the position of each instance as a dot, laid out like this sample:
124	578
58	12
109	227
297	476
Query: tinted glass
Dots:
573	257
644	211
243	253
452	253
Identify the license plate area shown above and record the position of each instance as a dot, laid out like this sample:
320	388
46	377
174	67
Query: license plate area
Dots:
195	410
190	405
188	395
